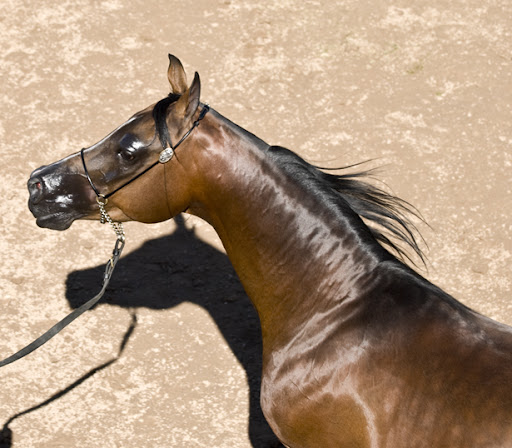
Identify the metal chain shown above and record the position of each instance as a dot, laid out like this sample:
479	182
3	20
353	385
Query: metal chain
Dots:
105	217
109	268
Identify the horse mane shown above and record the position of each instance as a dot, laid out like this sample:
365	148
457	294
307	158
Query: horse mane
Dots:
387	217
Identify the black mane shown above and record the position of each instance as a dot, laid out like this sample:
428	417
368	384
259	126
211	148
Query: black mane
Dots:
387	215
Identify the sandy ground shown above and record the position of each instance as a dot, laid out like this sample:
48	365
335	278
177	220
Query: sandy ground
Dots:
425	90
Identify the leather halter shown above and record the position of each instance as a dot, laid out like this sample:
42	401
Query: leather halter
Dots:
165	155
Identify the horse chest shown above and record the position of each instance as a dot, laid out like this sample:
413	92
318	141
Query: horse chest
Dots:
311	406
303	420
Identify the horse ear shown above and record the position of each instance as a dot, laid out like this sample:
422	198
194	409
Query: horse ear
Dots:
189	101
176	75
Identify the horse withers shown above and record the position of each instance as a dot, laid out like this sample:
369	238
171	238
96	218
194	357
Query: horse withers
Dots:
358	349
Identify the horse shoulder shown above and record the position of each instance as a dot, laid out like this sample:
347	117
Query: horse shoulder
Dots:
453	366
402	353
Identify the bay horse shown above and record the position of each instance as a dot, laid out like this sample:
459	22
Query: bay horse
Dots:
359	350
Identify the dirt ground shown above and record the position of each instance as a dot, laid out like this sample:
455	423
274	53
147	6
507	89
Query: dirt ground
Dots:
425	90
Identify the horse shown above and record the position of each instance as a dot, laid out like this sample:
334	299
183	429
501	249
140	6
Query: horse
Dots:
358	349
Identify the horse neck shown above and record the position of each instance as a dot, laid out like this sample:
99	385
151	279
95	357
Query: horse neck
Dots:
292	252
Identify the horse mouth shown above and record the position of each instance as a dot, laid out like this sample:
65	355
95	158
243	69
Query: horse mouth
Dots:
54	222
60	220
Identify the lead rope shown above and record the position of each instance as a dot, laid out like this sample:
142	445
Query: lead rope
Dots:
166	155
109	269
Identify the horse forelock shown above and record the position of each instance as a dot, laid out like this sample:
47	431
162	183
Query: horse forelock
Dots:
160	117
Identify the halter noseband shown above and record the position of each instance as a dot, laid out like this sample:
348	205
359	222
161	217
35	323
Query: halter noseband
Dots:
165	155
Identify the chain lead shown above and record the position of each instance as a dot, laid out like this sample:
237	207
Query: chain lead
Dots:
105	217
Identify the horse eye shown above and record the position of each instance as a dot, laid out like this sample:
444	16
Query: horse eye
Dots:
126	154
128	146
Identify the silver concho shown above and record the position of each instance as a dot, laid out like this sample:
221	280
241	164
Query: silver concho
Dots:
166	155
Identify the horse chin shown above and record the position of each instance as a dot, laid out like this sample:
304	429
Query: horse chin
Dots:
56	221
52	216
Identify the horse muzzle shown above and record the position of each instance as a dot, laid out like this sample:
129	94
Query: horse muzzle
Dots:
56	200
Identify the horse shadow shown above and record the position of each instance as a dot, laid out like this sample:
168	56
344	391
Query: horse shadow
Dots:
173	269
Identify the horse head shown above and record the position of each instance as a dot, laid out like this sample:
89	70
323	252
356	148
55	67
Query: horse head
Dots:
123	169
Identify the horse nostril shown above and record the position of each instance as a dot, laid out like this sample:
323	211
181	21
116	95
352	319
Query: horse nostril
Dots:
35	189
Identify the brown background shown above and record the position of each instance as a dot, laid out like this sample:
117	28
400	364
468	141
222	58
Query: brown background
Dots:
425	90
